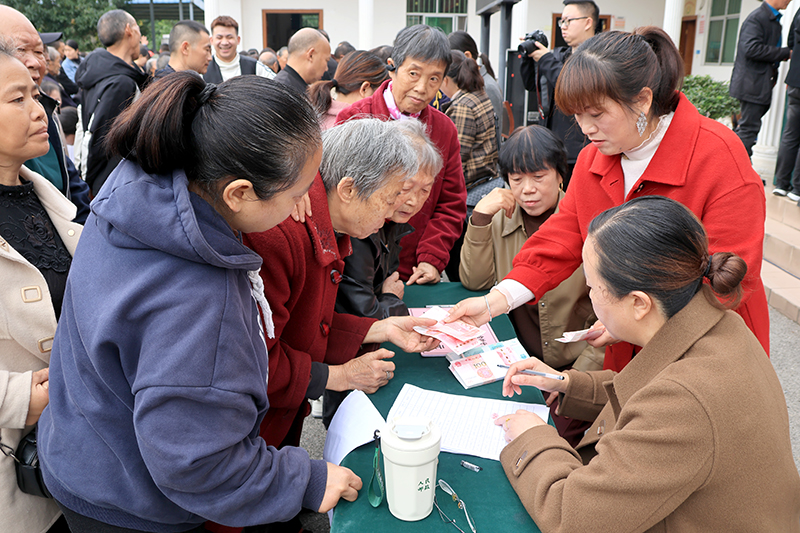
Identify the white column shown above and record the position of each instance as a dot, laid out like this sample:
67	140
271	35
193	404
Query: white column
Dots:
366	23
520	23
211	11
673	15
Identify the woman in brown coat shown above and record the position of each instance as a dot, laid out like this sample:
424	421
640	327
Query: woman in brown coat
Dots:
693	434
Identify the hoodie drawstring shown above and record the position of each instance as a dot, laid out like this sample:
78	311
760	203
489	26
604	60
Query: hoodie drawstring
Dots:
257	290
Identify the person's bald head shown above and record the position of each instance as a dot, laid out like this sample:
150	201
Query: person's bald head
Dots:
30	50
309	51
304	39
270	60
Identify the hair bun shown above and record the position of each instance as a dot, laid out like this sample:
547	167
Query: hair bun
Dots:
725	272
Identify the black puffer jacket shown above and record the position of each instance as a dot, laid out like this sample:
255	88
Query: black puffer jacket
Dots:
373	260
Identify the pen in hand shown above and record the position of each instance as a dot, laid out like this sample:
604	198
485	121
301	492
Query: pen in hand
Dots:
536	373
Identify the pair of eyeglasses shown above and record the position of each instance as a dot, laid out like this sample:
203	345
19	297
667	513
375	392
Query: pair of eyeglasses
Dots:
461	505
564	23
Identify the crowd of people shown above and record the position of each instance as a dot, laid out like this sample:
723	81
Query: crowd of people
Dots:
165	341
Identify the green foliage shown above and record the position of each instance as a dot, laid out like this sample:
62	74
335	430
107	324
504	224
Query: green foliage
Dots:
163	27
76	18
710	97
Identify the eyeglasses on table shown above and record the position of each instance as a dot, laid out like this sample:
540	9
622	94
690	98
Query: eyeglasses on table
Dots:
461	505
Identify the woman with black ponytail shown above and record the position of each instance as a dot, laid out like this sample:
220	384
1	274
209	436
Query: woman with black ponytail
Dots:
692	435
646	139
463	42
158	379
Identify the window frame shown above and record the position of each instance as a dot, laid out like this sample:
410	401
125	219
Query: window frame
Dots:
458	18
726	18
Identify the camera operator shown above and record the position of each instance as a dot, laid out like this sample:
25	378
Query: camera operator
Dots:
578	22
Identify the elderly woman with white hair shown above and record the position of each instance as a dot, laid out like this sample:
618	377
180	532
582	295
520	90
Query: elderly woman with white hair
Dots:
371	285
365	164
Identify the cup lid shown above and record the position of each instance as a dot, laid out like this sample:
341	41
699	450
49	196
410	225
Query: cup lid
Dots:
409	430
410	433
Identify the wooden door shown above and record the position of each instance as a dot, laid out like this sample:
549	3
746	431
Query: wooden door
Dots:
686	47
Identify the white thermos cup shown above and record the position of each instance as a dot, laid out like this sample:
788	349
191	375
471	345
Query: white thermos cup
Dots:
410	447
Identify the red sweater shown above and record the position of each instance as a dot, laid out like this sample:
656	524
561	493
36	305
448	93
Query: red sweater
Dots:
301	271
440	221
701	164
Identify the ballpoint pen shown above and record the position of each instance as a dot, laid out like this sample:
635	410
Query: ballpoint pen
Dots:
537	373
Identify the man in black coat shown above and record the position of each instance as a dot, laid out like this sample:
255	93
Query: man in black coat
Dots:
189	49
788	161
109	82
578	23
228	62
309	52
755	69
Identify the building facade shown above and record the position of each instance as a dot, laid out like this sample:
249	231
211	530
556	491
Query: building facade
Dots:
707	31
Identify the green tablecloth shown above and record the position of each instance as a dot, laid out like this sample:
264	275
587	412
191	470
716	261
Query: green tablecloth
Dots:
492	503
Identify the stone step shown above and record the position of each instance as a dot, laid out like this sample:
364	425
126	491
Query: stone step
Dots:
782	246
783	290
782	210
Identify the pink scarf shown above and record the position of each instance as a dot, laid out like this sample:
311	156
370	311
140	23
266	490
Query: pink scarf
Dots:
394	112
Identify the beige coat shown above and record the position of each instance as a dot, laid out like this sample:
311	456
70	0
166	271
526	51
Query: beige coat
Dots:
486	257
691	436
27	326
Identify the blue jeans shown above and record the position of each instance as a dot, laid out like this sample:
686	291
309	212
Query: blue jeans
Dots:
789	151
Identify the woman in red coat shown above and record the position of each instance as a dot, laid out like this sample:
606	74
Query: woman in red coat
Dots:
647	139
364	166
420	59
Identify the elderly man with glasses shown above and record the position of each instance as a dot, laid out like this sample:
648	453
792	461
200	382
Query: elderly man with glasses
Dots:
579	20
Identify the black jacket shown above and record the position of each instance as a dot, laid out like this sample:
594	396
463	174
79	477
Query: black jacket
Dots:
160	73
66	83
563	126
373	260
289	77
214	74
332	66
73	187
793	76
754	69
108	85
66	99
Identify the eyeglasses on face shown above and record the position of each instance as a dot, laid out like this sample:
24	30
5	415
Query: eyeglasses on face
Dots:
564	23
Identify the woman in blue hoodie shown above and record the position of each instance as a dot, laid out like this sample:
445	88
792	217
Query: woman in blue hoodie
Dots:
158	377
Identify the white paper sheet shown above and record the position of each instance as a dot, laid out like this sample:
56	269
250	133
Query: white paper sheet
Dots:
353	424
466	423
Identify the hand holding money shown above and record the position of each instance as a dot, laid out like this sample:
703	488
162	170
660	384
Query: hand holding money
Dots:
457	336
